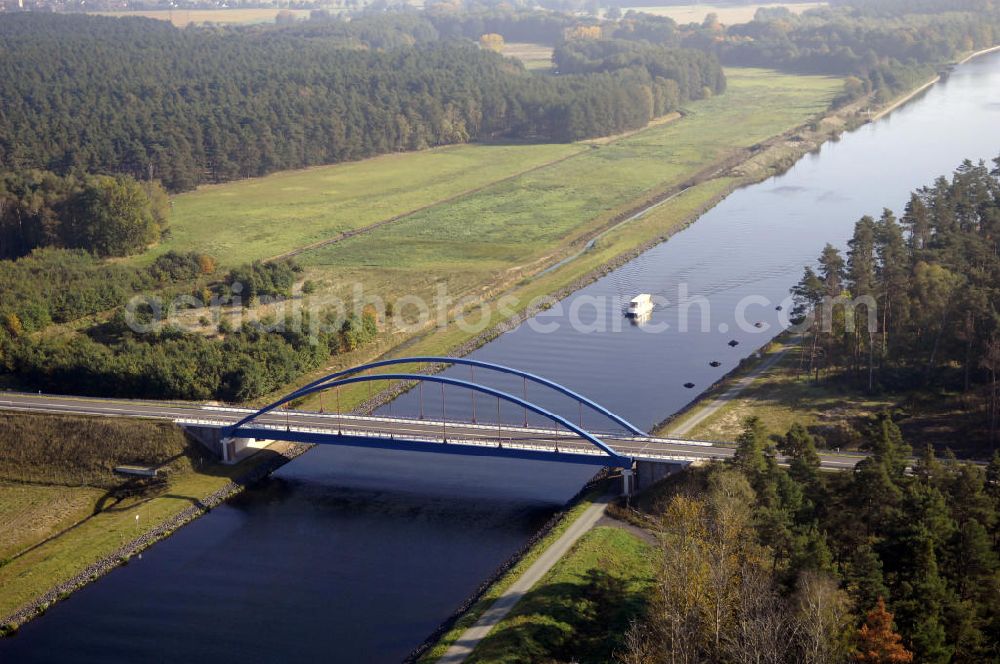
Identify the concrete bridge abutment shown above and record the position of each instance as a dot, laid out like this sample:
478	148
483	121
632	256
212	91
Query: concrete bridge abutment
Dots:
229	450
645	474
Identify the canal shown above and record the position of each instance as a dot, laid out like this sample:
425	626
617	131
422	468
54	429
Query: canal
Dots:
356	556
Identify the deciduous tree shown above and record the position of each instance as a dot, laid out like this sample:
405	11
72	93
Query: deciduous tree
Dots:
877	643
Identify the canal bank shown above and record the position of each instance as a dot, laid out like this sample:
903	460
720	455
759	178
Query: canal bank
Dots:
278	455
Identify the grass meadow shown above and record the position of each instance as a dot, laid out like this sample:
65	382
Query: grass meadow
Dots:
258	218
728	15
62	509
517	223
534	57
582	607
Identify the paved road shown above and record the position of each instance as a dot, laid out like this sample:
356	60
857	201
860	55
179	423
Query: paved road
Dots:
497	611
431	432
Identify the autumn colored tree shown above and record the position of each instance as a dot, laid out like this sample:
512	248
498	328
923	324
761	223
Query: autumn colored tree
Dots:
491	41
582	32
822	617
206	264
877	642
14	325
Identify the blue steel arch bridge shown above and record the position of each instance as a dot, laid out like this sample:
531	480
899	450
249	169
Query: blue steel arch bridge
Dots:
235	431
563	440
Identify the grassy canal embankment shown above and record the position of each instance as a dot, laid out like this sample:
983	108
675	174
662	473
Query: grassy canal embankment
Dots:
581	610
63	510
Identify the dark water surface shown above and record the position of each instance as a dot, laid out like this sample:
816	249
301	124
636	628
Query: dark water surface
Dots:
354	556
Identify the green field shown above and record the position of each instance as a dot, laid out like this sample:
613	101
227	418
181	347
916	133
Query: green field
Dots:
534	57
579	611
508	226
262	217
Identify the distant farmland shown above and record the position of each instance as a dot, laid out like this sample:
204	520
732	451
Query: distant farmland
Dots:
183	17
727	15
534	56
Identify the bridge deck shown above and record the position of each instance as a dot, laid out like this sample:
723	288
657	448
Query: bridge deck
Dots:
482	439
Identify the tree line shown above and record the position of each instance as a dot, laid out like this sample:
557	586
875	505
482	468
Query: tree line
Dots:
109	216
86	94
759	563
886	46
923	293
690	74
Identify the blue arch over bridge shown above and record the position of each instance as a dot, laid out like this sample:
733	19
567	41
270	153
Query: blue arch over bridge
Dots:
246	427
499	368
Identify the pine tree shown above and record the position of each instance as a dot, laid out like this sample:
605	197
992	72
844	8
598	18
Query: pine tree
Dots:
893	275
885	440
928	469
800	446
865	582
874	496
751	451
922	597
993	480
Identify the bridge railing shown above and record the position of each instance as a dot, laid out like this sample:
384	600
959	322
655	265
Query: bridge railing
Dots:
503	443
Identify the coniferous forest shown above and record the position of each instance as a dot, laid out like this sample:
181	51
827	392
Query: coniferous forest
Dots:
140	97
760	563
921	293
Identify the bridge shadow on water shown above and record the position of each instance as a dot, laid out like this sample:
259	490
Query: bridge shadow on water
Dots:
333	501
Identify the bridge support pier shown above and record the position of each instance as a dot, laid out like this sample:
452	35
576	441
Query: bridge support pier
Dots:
648	473
229	449
628	482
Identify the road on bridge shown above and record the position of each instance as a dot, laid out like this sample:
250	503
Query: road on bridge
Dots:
432	432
